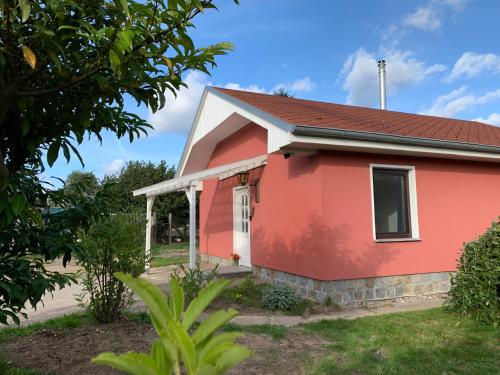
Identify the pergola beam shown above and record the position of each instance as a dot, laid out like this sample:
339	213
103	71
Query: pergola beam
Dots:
191	195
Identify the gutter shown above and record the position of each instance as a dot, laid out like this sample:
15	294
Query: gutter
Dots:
311	131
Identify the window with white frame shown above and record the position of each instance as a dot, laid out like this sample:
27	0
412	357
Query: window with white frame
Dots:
394	202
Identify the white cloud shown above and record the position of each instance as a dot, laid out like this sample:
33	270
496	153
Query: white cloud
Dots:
251	88
472	64
424	18
360	74
178	113
114	167
493	119
459	100
300	85
429	17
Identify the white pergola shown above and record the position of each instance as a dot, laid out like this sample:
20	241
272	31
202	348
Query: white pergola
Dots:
191	183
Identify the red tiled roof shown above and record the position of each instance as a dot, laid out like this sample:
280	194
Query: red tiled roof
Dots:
310	113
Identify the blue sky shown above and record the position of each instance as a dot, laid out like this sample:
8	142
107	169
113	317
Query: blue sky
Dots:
443	58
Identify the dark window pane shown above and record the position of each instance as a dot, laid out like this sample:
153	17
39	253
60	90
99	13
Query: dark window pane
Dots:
390	190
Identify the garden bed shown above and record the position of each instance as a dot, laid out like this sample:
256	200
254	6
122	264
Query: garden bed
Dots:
433	342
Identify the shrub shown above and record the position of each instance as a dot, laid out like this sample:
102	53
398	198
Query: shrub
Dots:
475	288
112	244
181	347
193	280
279	298
246	288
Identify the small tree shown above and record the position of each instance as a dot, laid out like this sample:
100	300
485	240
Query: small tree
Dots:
281	91
112	244
84	182
475	288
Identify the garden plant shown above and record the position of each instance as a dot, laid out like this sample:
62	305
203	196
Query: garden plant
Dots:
183	346
112	244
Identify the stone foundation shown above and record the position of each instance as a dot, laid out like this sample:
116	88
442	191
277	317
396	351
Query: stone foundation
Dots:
215	260
359	290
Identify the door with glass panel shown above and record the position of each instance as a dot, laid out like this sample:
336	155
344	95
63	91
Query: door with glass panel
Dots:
241	224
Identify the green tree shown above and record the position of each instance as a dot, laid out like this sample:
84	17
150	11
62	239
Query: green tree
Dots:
137	174
65	69
281	91
84	182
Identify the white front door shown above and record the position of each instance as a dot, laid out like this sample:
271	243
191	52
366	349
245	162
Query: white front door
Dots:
241	224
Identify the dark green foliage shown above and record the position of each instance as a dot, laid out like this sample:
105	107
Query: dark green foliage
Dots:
279	298
137	174
113	244
475	288
66	68
193	280
281	91
79	182
30	235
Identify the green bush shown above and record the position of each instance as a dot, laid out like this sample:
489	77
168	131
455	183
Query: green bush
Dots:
112	244
279	298
475	288
182	346
193	280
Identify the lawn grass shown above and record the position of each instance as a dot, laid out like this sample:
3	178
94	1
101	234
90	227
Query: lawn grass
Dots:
426	342
165	248
275	331
163	262
62	322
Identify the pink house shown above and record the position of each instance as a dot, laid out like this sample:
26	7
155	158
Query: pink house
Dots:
336	201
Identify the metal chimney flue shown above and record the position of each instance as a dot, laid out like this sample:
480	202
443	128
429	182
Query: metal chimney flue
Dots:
381	79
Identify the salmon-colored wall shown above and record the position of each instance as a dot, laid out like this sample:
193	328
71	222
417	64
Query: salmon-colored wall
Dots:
314	217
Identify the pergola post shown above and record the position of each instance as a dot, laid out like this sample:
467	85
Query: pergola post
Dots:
191	195
149	223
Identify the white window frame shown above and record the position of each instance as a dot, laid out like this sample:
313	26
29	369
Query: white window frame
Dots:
412	196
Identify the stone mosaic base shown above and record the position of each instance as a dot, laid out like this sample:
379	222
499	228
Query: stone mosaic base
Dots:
216	260
358	290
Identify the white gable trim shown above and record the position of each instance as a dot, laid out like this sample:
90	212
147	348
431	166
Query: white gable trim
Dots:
220	115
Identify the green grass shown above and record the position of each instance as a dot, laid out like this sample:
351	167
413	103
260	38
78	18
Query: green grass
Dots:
163	262
165	248
275	331
63	322
7	369
425	342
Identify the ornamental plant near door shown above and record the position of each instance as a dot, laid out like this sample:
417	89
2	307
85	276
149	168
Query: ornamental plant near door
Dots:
176	351
236	259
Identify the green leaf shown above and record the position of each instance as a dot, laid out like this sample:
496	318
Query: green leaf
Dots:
124	7
232	357
185	345
131	363
151	295
115	61
176	299
212	323
161	357
25	9
204	298
17	203
53	153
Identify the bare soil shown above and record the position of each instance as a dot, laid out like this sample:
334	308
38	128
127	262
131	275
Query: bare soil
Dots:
69	351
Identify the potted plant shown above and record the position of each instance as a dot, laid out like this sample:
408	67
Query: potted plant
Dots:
236	259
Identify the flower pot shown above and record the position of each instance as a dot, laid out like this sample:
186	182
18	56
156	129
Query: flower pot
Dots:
236	262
